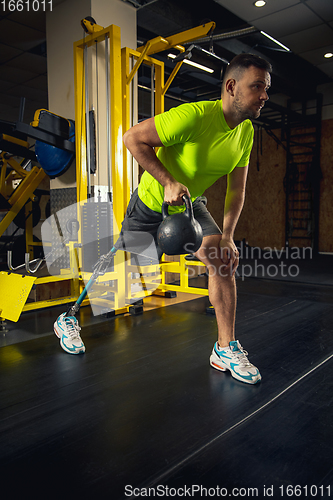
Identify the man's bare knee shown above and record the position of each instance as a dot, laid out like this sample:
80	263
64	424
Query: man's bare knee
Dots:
210	253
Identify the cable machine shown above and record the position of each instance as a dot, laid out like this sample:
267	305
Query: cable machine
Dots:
107	177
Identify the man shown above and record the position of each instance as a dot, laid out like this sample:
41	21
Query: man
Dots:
199	143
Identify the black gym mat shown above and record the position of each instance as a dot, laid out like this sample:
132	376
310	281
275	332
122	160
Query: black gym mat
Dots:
143	408
296	266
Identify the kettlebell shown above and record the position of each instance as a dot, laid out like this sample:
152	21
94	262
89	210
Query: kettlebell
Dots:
179	233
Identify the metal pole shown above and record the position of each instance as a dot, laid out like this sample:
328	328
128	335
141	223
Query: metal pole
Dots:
108	122
132	110
86	83
152	87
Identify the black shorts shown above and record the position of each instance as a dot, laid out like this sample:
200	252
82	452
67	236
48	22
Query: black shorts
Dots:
139	217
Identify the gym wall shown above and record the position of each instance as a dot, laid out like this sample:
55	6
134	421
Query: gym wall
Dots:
262	222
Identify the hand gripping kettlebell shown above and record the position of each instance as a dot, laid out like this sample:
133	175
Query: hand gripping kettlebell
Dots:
179	233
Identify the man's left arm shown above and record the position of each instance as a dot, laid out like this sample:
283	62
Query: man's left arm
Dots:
234	201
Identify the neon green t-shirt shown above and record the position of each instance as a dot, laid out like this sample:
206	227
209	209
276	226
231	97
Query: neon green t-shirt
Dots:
198	148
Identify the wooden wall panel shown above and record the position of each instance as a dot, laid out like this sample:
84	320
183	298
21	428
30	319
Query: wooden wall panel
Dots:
326	191
262	222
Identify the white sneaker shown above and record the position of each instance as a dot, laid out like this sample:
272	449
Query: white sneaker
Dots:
234	358
67	330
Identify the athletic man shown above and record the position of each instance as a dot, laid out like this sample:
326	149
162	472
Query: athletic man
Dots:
199	143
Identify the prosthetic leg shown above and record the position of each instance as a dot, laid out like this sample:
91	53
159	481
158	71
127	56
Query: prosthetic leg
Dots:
99	270
66	326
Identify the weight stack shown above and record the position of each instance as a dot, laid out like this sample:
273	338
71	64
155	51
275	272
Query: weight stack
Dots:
97	232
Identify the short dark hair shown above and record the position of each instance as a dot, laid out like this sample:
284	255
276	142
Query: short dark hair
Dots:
243	61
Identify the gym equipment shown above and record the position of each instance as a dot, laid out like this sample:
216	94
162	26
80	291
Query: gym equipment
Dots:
21	217
68	255
179	233
90	26
54	149
135	242
66	240
17	252
46	127
14	201
99	269
14	291
202	56
53	160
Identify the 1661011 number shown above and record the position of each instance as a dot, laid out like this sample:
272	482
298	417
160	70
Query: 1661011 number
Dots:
26	5
304	491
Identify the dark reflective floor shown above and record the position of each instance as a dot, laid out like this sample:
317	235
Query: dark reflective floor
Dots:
142	408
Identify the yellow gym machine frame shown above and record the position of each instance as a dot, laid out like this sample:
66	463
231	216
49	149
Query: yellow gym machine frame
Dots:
23	195
120	92
120	103
121	169
141	55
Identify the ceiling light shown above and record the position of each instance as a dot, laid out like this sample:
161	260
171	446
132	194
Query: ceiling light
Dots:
275	41
191	63
259	3
328	55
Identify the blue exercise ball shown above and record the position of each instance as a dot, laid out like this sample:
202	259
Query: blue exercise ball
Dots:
55	161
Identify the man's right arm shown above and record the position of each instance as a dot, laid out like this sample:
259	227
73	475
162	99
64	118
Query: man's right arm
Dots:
141	140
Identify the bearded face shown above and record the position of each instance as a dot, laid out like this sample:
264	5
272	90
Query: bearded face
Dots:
250	93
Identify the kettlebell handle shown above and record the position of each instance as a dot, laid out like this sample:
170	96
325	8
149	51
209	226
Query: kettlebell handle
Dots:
188	210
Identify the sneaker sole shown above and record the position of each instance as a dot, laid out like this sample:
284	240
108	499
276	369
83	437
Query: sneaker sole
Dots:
81	351
217	367
233	374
